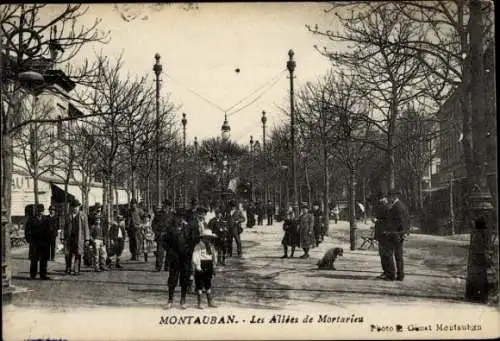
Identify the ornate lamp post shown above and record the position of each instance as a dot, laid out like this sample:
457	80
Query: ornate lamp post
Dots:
157	68
252	168
184	123
290	65
264	120
196	184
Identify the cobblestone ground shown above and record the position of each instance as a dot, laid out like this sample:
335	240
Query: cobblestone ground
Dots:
435	272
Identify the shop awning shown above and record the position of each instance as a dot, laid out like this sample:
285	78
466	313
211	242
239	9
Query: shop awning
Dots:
95	195
74	193
121	197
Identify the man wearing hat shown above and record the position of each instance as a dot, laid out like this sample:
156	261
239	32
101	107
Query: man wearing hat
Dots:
236	218
380	211
116	239
98	233
398	224
76	236
53	222
318	222
132	227
39	236
179	245
160	224
305	229
219	227
270	212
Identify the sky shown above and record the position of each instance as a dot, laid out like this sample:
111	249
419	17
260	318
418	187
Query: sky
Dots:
201	49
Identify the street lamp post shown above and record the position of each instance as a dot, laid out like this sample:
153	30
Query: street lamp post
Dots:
157	68
184	123
252	193
290	65
264	120
196	190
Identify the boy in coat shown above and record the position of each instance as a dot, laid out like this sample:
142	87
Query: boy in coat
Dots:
204	262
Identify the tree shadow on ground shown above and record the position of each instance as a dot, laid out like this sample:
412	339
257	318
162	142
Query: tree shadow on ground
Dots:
325	274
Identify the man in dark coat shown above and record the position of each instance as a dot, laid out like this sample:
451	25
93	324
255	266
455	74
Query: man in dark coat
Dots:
160	224
380	220
116	240
260	209
220	228
235	218
251	210
39	236
53	222
398	224
269	212
318	223
179	244
134	221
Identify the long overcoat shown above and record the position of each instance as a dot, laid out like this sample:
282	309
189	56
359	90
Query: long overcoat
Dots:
306	231
76	233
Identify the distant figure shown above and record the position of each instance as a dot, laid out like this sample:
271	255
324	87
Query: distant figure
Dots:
235	220
251	210
270	212
307	239
134	220
260	213
336	213
291	237
53	222
380	220
318	223
162	220
116	240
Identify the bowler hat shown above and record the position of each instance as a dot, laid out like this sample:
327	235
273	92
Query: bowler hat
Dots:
97	205
75	203
167	202
304	205
133	201
201	209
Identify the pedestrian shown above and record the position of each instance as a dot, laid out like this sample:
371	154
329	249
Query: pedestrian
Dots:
236	218
116	237
161	222
179	245
398	224
318	223
306	231
270	212
336	213
134	221
219	227
76	237
39	236
211	213
53	222
204	261
97	234
250	211
260	213
148	237
290	238
380	220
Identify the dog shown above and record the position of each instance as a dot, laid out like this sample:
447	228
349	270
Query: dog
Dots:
328	260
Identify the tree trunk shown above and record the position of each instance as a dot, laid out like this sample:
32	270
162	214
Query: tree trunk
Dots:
352	209
309	191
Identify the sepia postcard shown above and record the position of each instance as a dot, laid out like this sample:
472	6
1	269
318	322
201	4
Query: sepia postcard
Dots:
249	171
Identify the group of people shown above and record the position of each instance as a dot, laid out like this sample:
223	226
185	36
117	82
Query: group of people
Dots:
306	231
192	242
260	210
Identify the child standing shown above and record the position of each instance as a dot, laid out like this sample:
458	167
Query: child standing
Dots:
204	261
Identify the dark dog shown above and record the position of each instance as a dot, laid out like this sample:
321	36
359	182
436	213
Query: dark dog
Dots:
328	260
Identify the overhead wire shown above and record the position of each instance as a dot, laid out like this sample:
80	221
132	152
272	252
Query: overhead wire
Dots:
255	99
256	90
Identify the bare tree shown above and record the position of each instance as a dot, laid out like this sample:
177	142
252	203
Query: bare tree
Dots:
387	74
45	31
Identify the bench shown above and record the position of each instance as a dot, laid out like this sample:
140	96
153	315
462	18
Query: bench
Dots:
368	238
